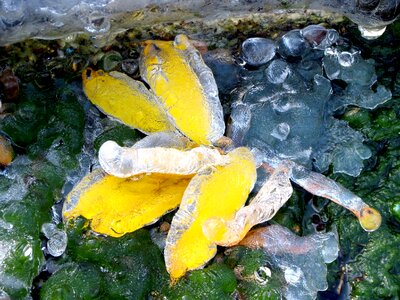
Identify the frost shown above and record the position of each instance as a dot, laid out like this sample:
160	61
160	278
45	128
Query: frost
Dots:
302	259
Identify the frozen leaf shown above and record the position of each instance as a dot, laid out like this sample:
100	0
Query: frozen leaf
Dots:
126	100
127	162
216	192
117	206
271	197
178	75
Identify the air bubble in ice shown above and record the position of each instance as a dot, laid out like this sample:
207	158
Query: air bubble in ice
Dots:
97	23
48	229
258	51
281	131
57	243
57	239
346	59
277	71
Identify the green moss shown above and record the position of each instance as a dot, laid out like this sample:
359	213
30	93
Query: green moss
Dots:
254	284
132	265
119	133
73	281
214	282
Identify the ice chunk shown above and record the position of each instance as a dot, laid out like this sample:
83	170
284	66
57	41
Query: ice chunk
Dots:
277	71
21	19
12	12
57	239
344	147
258	51
362	96
97	23
292	44
301	114
16	180
349	66
126	162
271	197
178	75
216	192
319	37
302	259
308	68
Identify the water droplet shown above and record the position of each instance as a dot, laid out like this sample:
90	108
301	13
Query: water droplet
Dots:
57	243
258	51
371	33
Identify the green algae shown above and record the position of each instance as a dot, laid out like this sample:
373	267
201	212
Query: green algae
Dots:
73	281
132	266
254	283
39	120
214	282
121	134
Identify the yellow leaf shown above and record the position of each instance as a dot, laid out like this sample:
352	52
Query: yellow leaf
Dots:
178	75
126	100
216	192
117	206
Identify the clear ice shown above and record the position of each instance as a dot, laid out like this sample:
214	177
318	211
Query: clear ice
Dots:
126	162
302	259
271	197
258	51
56	239
287	107
22	19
